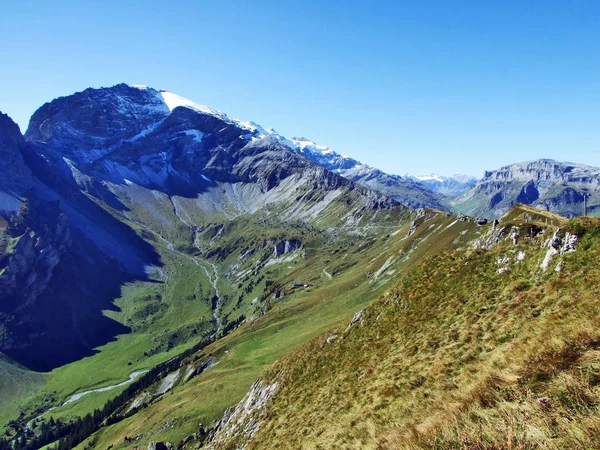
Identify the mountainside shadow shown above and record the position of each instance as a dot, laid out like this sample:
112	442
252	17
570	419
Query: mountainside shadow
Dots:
66	322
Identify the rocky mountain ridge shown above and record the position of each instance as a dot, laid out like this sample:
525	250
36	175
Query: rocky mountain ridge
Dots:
552	185
157	140
404	189
16	176
143	109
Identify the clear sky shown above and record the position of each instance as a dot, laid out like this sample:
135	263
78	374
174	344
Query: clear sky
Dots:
407	86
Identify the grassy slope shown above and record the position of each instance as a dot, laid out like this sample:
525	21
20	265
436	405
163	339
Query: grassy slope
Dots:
291	321
456	355
178	312
15	384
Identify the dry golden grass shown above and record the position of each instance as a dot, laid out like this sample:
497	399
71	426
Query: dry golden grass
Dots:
456	356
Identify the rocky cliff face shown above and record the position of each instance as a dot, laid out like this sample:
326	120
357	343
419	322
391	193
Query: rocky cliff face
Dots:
33	233
28	265
283	247
551	185
47	265
34	236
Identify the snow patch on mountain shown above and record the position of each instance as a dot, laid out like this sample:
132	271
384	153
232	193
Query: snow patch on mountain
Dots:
431	177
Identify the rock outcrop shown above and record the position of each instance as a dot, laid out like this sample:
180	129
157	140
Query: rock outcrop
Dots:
283	247
242	421
558	245
160	446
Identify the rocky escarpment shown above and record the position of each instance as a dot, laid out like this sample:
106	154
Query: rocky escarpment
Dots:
34	233
36	248
555	186
47	265
285	246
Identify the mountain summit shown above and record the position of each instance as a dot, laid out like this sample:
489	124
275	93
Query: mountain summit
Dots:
123	116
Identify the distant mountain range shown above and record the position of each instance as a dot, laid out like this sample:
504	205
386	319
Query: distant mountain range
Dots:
551	185
448	186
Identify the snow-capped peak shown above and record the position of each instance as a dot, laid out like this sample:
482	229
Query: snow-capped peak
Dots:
317	153
303	145
431	177
459	177
173	101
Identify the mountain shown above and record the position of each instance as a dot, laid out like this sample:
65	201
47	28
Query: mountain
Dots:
551	185
109	185
403	189
447	186
174	227
108	140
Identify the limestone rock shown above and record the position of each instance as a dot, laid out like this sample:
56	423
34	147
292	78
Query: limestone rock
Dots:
357	318
569	243
283	247
160	446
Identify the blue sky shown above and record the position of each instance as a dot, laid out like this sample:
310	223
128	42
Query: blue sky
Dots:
410	87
